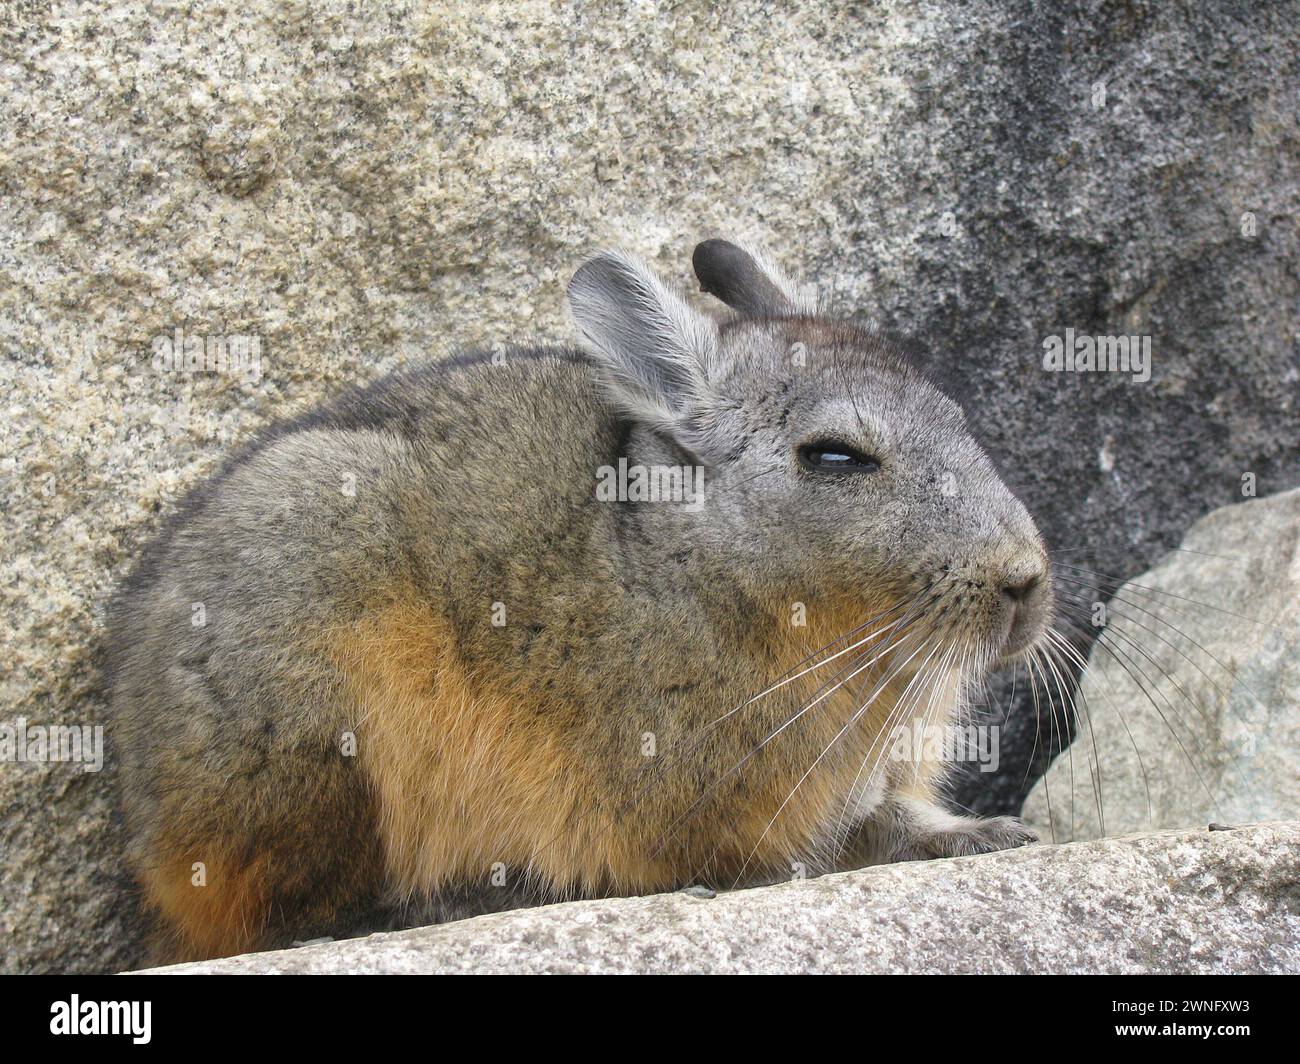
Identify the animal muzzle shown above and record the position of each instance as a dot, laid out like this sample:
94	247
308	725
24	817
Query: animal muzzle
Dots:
1025	604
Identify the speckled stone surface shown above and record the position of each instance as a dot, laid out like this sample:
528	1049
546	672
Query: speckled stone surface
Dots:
1205	901
1191	701
361	186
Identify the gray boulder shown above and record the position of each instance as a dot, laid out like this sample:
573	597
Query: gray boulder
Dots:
1207	901
1190	705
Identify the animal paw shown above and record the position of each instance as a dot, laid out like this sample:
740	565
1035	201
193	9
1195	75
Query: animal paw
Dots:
972	835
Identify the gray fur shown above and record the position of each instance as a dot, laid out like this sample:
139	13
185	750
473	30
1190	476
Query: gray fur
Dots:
474	484
654	351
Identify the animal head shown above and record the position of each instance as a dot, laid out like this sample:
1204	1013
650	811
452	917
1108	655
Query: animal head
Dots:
835	472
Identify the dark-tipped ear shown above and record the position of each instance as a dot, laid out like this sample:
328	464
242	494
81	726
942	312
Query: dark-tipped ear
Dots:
748	281
654	351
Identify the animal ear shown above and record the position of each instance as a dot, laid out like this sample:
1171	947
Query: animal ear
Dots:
654	351
747	280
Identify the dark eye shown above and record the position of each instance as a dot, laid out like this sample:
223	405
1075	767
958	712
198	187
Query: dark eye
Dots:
832	456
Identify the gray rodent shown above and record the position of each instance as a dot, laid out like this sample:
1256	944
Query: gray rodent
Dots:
401	659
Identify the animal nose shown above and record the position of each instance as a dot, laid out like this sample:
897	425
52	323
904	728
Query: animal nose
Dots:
1020	588
1027	594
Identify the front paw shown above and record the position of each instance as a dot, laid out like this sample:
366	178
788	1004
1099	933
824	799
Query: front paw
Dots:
915	829
974	836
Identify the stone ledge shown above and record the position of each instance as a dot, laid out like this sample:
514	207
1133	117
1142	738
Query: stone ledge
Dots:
1189	901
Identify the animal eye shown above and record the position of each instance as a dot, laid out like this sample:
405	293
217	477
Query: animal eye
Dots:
831	456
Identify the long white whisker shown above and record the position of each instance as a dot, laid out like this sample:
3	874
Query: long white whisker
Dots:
851	721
